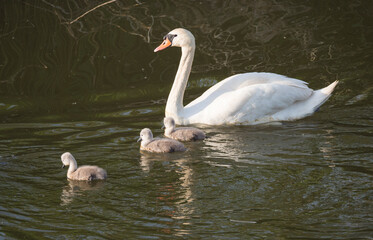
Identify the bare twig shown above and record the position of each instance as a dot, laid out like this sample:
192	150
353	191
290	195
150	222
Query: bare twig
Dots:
102	4
150	28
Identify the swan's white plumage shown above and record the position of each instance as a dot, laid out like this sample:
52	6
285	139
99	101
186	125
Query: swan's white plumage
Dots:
248	98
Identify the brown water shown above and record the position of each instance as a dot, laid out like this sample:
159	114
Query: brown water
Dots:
90	86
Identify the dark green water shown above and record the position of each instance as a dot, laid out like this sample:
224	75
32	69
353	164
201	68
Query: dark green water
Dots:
89	86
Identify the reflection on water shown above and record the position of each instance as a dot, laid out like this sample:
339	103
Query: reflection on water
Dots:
76	188
265	179
177	195
89	86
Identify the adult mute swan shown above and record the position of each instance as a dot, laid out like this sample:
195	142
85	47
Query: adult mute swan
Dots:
247	98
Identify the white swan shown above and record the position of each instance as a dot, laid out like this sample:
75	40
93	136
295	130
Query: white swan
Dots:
248	98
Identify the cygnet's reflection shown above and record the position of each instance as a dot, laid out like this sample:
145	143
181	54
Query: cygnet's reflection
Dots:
176	195
147	159
76	188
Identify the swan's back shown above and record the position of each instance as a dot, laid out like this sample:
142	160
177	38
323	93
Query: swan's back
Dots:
164	145
187	134
88	173
243	80
254	98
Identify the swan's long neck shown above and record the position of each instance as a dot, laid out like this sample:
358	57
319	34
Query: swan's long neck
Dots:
146	140
175	99
72	167
169	130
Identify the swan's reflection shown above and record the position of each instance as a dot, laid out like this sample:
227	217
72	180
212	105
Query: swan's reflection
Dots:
239	143
269	144
327	146
76	188
176	196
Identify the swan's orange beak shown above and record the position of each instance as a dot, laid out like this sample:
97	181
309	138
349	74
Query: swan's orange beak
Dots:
165	44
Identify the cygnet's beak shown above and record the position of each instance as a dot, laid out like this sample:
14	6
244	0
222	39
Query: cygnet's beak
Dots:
138	140
163	126
63	165
165	44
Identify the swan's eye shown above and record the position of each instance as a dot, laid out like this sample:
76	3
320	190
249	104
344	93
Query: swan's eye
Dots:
171	36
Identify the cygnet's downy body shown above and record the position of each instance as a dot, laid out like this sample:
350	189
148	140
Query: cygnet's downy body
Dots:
159	145
83	173
181	133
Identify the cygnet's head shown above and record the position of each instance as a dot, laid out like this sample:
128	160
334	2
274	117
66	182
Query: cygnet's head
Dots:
169	123
178	37
66	158
146	135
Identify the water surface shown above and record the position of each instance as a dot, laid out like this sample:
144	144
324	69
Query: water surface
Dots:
89	86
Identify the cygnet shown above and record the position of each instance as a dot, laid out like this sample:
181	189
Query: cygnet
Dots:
159	145
85	173
181	133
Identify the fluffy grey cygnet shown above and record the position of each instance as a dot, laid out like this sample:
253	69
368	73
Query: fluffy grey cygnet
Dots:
159	145
181	133
84	173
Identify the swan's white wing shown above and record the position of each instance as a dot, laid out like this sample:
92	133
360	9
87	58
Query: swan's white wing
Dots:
248	79
246	98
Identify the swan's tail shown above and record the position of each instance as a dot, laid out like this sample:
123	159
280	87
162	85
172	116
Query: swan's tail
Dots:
329	89
307	107
323	94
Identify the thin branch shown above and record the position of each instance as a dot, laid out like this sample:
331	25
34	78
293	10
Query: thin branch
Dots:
103	4
150	28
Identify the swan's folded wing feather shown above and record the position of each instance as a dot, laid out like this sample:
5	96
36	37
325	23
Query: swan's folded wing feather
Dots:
268	99
250	102
239	81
